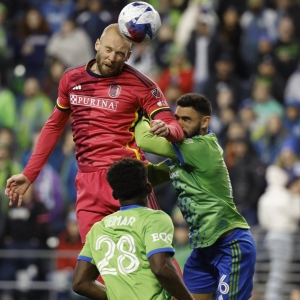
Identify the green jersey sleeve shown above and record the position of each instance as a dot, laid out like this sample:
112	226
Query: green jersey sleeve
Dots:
158	173
158	233
86	252
151	143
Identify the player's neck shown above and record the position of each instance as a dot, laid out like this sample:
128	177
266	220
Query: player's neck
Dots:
94	69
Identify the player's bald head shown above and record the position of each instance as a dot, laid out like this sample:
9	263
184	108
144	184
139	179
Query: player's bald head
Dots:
113	29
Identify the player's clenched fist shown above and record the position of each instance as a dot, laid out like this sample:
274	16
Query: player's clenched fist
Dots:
16	186
159	128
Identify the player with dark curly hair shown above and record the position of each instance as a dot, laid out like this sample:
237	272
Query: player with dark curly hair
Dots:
132	249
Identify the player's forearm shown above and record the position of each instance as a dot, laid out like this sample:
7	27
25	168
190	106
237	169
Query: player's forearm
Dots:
176	133
158	173
92	290
170	280
47	140
151	143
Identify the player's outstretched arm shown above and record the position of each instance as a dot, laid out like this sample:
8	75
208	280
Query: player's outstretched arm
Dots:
84	281
173	133
151	143
16	186
164	270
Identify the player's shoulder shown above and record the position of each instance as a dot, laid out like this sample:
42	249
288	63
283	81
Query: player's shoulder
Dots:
138	76
154	215
74	70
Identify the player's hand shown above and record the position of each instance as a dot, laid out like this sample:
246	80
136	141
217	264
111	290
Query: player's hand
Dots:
16	186
159	128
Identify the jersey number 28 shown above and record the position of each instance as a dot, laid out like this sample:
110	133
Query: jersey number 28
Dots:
129	254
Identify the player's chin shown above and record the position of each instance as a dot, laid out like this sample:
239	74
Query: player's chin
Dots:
109	72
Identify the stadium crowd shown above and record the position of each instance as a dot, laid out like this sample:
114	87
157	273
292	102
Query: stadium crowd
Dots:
243	55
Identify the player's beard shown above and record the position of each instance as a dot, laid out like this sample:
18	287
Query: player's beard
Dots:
195	131
107	73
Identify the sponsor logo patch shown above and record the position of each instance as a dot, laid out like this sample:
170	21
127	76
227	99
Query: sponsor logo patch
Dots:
94	102
114	90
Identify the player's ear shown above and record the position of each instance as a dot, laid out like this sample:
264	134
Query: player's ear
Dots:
205	121
97	44
115	195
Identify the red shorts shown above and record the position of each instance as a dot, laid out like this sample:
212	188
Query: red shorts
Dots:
95	200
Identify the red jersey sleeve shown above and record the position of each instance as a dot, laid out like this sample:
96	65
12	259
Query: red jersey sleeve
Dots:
176	133
46	142
63	102
154	102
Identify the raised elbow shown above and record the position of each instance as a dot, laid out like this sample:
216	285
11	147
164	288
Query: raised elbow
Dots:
78	286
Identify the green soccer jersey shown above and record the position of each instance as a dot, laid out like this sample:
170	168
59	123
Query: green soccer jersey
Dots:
201	180
120	245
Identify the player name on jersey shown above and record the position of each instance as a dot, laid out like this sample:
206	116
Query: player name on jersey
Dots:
119	220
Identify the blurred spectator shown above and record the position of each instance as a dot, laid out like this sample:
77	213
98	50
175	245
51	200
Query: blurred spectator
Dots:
279	214
33	113
264	104
34	34
266	71
142	58
247	175
255	22
222	6
291	120
94	19
195	12
162	44
71	45
227	37
27	228
179	71
289	8
247	115
56	70
57	12
292	88
7	167
287	158
201	53
169	13
287	48
69	241
265	47
69	168
172	93
295	294
48	190
219	116
267	140
114	7
7	105
5	55
224	77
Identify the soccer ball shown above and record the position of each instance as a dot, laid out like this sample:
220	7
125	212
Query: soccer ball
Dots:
139	22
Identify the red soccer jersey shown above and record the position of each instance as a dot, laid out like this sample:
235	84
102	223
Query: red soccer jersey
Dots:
104	112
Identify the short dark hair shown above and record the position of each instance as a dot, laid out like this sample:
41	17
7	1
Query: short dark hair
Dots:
127	177
197	101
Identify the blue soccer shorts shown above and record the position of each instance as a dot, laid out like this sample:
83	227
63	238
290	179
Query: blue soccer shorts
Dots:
225	268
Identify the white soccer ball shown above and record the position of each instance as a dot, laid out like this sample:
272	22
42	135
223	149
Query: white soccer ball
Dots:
139	22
